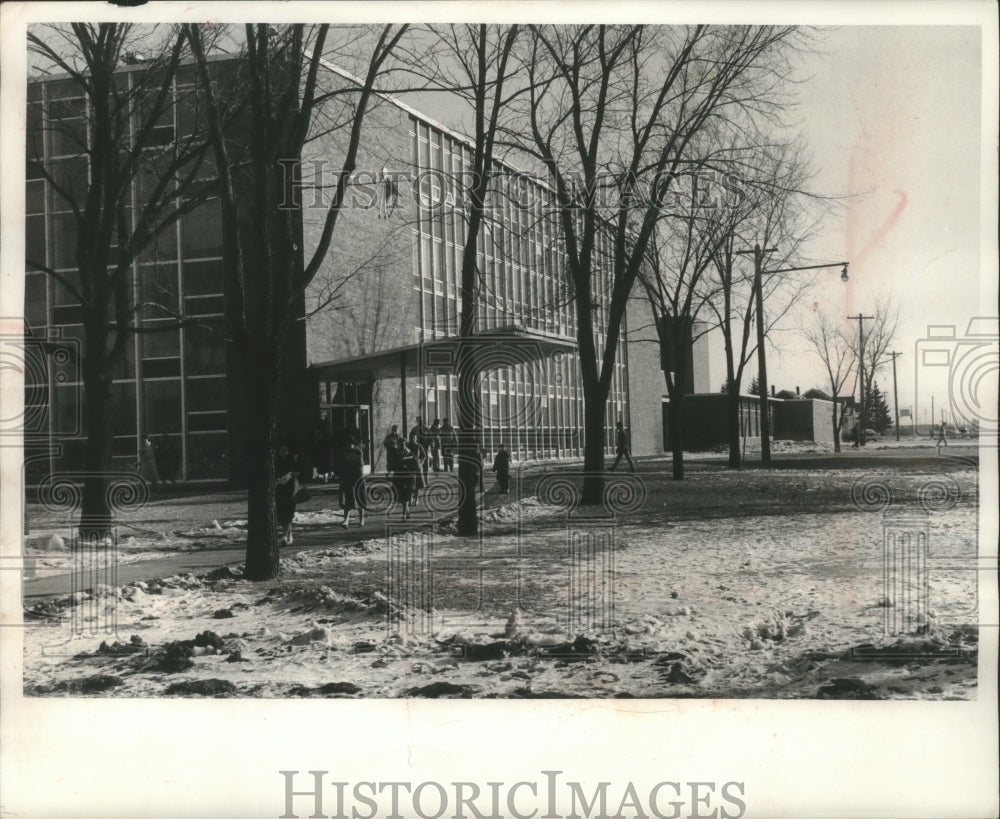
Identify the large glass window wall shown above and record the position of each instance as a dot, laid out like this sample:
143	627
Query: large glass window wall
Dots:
171	384
535	408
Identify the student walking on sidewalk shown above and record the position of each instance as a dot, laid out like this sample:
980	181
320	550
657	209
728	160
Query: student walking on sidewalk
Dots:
622	448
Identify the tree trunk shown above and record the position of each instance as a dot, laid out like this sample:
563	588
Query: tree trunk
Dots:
675	432
733	426
262	384
469	421
675	409
96	513
593	444
836	427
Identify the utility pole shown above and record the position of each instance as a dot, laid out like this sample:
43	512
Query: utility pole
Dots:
895	393
862	392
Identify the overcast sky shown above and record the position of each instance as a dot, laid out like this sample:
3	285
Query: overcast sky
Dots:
892	116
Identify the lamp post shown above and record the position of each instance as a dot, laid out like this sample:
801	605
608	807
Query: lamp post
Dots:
758	285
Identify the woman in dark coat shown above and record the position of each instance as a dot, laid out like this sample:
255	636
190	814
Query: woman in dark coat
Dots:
404	477
352	484
285	489
419	453
434	438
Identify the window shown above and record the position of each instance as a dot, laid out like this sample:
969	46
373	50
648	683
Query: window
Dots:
123	414
201	232
68	126
60	293
204	305
70	183
161	368
204	352
206	421
66	412
160	134
34	196
65	232
34	300
161	406
206	455
125	447
205	394
158	285
160	344
34	242
203	278
425	256
438	268
35	132
67	314
163	248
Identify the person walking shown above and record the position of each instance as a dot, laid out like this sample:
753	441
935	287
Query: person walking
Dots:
449	443
501	466
622	448
942	438
286	487
420	475
147	462
352	483
434	436
393	443
404	478
418	435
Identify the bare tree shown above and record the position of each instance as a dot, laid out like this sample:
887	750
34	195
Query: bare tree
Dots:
680	253
612	114
772	212
276	80
111	122
834	350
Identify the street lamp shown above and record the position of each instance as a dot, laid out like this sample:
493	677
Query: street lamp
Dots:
758	275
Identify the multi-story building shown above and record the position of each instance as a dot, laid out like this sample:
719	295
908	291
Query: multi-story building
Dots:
379	321
172	383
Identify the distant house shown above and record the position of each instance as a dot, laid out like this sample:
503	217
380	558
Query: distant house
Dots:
817	394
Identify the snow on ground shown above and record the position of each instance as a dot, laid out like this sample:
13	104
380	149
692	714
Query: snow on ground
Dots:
759	606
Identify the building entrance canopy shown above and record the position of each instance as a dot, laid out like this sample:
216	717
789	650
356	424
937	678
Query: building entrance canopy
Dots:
502	347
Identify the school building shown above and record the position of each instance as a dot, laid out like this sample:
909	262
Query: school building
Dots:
376	343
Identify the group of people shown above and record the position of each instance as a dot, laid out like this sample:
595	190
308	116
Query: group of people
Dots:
408	463
439	442
287	489
410	460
